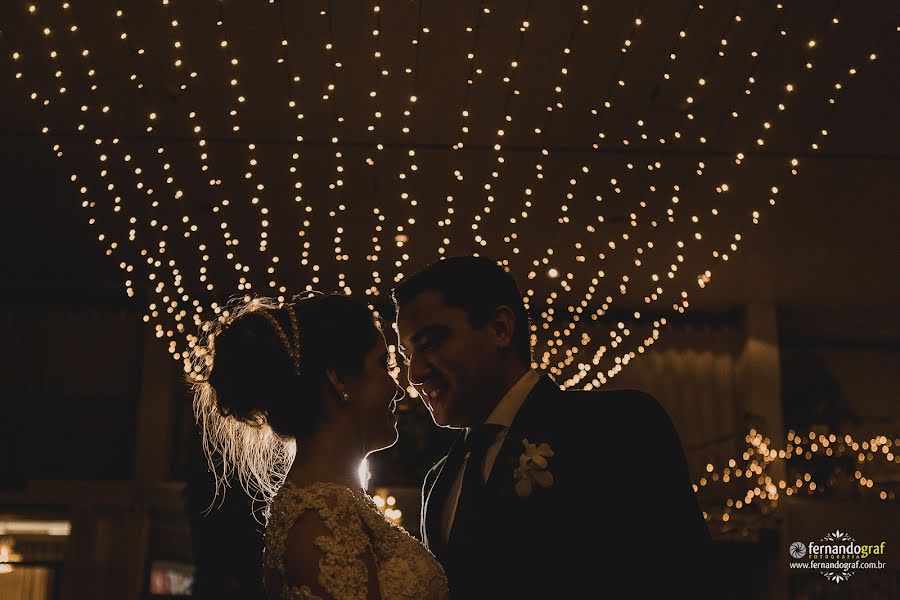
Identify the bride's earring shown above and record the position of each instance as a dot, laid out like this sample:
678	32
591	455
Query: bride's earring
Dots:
338	386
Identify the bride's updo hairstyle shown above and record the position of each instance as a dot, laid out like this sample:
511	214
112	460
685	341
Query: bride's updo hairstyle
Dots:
258	381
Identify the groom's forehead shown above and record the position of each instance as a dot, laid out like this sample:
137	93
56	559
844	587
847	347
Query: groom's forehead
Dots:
424	310
419	310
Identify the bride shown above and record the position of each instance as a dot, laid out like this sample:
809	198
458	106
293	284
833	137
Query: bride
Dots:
291	398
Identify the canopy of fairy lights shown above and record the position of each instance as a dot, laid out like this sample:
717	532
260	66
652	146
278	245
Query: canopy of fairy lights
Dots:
612	157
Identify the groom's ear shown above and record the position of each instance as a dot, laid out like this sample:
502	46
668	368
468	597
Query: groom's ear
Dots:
503	325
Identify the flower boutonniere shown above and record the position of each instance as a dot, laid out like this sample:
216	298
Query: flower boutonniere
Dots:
532	469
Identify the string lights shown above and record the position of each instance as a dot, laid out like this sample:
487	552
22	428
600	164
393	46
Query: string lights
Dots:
296	113
584	368
336	186
608	236
90	203
408	199
752	467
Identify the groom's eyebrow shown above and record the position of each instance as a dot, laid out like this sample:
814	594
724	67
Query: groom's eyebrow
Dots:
421	333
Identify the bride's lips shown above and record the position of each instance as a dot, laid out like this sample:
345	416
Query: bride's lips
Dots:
393	405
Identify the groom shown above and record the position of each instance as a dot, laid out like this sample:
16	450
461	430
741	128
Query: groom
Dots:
545	493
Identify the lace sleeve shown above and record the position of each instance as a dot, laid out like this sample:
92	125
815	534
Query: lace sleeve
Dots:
316	542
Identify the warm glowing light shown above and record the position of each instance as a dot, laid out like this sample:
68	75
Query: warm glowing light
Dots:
569	310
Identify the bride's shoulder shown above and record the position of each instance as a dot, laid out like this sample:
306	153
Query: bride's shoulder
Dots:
314	489
292	500
315	494
316	505
315	540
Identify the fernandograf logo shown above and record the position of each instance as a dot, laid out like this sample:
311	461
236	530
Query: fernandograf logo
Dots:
837	556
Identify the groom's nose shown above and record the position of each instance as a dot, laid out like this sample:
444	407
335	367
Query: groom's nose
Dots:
419	370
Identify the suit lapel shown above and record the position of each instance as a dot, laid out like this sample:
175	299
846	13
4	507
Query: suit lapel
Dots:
437	497
527	424
537	406
497	499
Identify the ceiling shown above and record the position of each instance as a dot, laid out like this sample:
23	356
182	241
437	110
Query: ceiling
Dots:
828	244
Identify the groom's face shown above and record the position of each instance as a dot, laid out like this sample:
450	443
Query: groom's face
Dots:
450	362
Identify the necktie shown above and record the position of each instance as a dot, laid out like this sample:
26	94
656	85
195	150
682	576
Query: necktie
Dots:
478	441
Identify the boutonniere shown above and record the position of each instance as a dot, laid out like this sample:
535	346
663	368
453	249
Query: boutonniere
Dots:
532	469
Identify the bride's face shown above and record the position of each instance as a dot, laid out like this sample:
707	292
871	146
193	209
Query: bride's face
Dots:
373	398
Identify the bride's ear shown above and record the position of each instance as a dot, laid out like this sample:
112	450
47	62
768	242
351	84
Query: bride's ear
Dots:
335	380
338	386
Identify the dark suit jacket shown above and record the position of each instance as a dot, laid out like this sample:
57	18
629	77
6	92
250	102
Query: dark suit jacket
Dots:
620	515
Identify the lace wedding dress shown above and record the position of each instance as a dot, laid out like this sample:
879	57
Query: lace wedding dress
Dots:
405	569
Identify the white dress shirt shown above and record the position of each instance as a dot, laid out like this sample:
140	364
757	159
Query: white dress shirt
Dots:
503	414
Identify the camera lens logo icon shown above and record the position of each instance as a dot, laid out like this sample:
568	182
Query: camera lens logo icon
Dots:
797	549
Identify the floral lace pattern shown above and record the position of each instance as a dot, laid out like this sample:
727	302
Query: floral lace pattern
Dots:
405	569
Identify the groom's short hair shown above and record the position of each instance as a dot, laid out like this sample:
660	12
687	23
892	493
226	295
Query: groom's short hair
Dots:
477	285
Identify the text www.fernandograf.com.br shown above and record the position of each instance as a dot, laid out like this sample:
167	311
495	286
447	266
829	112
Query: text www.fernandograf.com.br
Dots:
838	565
